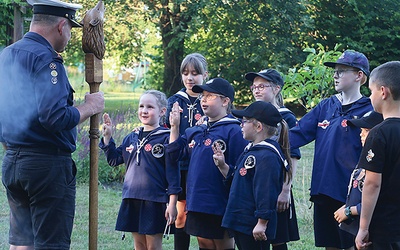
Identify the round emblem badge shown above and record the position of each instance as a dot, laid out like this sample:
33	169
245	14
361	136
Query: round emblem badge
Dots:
147	147
54	80
158	150
250	162
220	144
54	73
52	66
243	171
207	142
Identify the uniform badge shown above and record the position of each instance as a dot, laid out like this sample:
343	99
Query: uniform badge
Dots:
243	171
370	155
220	144
54	73
129	149
324	124
207	142
53	66
54	80
192	143
148	147
197	116
250	162
158	150
344	123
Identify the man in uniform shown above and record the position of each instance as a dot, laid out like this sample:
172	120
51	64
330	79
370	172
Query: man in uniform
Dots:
38	126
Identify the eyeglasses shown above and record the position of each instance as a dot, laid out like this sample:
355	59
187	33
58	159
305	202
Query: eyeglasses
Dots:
246	121
209	97
340	72
260	87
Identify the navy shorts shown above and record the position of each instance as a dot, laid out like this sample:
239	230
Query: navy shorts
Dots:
140	216
41	193
204	225
326	229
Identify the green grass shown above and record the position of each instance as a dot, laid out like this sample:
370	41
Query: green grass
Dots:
109	199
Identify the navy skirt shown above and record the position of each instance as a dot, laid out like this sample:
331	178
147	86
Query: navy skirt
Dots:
140	216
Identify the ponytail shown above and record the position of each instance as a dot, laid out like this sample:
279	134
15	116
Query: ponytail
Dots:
285	145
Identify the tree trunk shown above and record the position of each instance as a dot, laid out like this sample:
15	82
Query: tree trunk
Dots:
173	52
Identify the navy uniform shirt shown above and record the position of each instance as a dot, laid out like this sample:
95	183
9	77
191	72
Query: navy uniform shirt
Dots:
36	98
257	182
337	146
151	175
206	189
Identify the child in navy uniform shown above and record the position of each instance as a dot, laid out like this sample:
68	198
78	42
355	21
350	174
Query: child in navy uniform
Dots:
193	72
267	86
207	195
151	184
337	146
258	177
348	214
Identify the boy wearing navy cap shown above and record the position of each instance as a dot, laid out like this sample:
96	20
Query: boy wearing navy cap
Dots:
337	146
207	195
258	177
38	126
380	203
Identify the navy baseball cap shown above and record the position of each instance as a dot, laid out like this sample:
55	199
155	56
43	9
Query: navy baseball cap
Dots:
369	120
218	86
56	8
262	111
353	59
270	75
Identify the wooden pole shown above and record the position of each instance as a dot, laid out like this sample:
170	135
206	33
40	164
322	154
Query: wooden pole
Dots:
94	77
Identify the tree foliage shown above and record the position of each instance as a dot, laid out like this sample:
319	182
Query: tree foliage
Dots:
240	36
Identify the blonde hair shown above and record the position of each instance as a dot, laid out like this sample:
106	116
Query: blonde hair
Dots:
161	98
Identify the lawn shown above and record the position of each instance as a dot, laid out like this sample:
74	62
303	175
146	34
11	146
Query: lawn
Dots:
109	197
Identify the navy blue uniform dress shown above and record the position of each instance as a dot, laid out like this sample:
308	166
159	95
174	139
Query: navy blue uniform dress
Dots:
38	124
151	176
206	191
257	183
190	114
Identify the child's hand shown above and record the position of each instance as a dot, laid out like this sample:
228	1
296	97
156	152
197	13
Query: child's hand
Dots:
283	202
339	215
171	213
175	115
218	156
107	128
259	230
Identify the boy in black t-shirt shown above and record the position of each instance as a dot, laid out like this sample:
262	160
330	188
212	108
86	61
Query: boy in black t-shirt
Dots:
380	157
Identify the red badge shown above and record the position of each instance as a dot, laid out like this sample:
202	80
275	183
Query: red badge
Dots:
207	142
344	123
147	147
243	171
323	124
355	183
197	116
129	149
